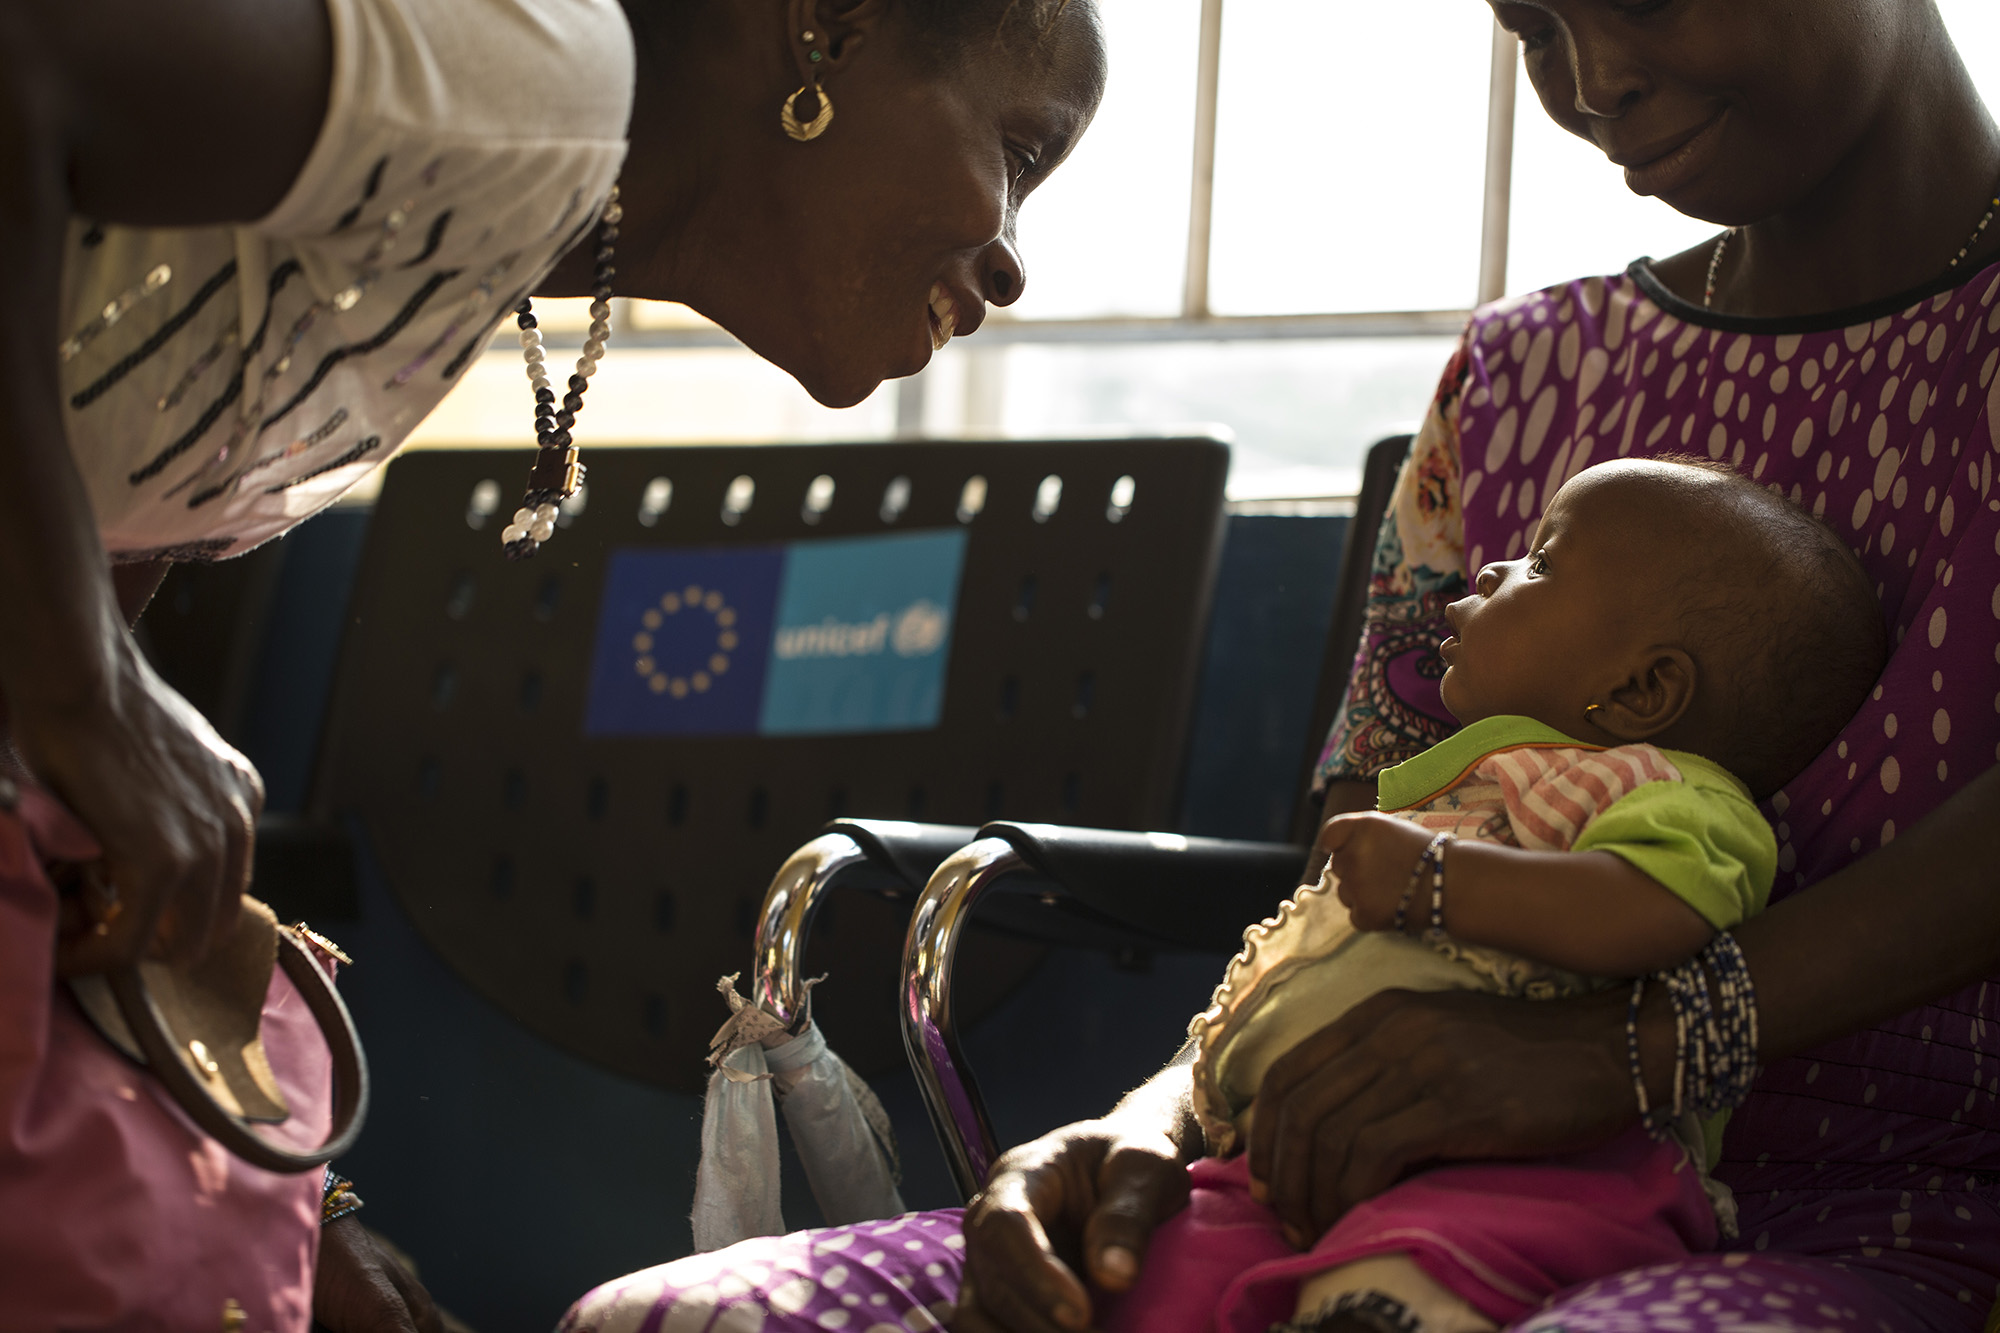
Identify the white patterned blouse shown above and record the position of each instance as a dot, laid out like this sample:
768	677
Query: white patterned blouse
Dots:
220	384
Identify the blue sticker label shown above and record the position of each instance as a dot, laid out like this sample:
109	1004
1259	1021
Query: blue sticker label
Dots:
863	634
683	637
809	638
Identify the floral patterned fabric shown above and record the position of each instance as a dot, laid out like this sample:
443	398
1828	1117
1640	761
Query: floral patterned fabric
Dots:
1392	711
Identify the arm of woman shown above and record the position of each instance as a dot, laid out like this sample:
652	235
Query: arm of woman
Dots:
1081	1201
95	105
1405	1079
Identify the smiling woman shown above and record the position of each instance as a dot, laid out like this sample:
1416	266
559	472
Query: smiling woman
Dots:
847	259
212	346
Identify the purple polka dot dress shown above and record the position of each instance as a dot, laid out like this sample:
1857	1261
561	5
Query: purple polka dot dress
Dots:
1877	1152
1867	1173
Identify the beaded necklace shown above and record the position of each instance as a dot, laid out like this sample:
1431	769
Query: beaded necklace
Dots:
1722	244
556	474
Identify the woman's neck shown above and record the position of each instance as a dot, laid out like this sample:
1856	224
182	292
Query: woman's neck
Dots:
677	113
1888	218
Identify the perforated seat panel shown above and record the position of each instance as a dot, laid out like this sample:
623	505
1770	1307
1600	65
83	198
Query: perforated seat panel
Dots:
595	885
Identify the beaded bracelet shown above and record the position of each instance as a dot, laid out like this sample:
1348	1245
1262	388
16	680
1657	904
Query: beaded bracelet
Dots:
1715	1036
340	1199
1432	856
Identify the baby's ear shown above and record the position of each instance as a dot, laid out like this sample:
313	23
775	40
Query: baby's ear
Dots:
1652	699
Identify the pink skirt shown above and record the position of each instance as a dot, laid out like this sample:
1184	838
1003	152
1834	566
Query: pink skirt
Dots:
1505	1236
115	1211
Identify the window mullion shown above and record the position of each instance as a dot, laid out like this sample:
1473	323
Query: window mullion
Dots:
1499	191
1201	193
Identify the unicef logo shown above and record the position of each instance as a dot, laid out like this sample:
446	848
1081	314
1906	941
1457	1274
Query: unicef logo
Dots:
920	629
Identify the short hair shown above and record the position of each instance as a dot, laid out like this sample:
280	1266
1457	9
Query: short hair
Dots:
1784	624
952	28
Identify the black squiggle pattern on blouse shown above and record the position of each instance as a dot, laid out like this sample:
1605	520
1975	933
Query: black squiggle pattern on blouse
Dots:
339	354
97	388
354	455
471	349
367	193
481	338
432	239
213	412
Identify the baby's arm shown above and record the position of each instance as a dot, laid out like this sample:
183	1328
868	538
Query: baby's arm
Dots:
1588	912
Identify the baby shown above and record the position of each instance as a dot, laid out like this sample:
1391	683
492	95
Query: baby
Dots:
1677	643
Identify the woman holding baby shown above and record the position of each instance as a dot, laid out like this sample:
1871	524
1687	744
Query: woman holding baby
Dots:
1836	344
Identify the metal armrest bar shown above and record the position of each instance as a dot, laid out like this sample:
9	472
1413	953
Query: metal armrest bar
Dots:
786	919
1211	887
888	855
930	1034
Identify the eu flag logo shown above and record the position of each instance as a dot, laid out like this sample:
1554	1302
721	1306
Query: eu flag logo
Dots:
683	641
842	635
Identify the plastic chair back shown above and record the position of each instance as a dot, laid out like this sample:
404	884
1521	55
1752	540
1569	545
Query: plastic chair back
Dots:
578	771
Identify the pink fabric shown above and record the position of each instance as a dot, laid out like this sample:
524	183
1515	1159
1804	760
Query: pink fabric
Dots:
1505	1236
115	1211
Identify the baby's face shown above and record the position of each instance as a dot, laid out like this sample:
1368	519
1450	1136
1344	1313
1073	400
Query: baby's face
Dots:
1543	635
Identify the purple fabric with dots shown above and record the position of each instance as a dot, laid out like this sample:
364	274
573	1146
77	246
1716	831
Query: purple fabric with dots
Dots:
899	1275
1877	1151
1867	1173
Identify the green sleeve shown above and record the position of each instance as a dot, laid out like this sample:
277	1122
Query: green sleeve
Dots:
1700	837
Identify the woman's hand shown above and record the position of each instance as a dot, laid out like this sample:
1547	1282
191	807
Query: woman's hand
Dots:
359	1287
1372	858
1084	1199
171	804
1406	1078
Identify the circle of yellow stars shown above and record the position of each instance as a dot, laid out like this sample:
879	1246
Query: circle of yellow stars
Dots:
693	599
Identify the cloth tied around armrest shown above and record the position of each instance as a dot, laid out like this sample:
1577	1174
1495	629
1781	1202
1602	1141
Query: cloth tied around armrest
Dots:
842	1134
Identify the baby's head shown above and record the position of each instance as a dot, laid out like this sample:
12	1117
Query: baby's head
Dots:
1673	601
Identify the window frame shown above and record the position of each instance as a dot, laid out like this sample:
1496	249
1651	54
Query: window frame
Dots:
1196	322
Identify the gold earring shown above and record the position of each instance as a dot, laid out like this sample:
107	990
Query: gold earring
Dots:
802	131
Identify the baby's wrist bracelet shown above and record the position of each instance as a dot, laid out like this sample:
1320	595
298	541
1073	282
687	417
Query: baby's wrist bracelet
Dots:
1431	859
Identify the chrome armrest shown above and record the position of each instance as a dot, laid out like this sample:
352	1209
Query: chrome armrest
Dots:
1195	893
887	855
930	1031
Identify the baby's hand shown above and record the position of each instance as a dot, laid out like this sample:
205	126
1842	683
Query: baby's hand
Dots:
1372	857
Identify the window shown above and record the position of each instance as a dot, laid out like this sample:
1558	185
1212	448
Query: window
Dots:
1330	187
1137	148
1350	156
